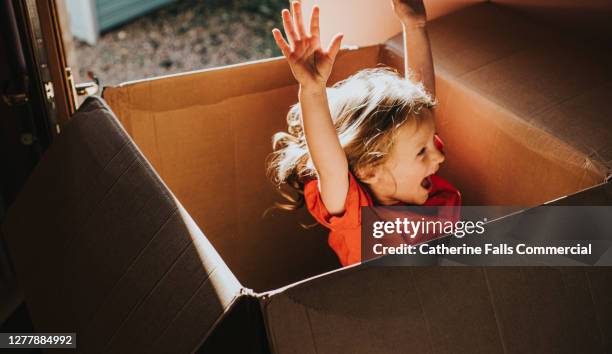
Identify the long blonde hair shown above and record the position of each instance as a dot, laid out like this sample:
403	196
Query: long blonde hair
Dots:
367	109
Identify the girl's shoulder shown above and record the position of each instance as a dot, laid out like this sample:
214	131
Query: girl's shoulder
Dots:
356	197
311	187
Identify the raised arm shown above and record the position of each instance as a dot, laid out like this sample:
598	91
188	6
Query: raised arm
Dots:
311	66
417	51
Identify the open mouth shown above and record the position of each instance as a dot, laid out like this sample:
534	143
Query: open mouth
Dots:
426	183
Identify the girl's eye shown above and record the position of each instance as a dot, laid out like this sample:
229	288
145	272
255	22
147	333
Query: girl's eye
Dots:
421	152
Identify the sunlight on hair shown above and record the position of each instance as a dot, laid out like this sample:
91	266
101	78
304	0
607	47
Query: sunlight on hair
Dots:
367	109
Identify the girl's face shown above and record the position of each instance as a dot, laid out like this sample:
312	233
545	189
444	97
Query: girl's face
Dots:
414	157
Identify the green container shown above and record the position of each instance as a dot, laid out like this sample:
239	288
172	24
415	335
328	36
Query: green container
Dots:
111	13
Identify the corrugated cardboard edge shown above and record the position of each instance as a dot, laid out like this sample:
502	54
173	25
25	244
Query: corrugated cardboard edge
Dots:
238	321
242	292
231	286
597	306
275	70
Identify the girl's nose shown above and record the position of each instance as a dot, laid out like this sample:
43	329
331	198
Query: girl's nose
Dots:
438	157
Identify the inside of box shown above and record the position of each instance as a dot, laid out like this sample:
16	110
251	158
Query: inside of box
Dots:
208	133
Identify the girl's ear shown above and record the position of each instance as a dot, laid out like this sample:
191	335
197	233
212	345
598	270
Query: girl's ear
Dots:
368	175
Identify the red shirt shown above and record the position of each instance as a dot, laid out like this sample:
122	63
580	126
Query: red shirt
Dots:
345	230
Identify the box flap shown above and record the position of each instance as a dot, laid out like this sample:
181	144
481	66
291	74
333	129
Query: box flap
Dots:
380	309
591	17
540	104
102	248
600	194
241	330
374	309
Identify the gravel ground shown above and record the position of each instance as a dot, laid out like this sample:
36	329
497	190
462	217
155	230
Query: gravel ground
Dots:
186	35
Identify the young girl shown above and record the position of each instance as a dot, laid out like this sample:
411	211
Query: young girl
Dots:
368	140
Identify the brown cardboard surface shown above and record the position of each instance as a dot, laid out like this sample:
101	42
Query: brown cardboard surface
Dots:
207	134
538	104
355	314
102	248
597	195
599	281
548	310
373	309
241	330
522	164
591	17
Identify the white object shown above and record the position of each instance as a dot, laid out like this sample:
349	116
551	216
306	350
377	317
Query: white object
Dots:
83	20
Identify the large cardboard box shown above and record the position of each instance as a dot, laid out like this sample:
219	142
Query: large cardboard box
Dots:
152	235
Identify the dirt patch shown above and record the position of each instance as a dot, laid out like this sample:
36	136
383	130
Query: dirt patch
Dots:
186	35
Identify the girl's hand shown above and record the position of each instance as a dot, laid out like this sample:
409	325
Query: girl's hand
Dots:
410	12
311	66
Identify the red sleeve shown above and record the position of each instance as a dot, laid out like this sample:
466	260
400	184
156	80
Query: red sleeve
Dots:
356	197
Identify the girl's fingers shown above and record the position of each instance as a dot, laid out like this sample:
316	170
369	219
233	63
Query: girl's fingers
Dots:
282	44
298	19
314	22
334	46
288	25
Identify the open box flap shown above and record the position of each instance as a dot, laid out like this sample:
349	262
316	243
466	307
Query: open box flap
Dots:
102	248
557	80
600	194
372	307
591	17
240	330
526	89
381	309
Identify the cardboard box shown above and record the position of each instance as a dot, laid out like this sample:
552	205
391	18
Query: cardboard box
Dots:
134	264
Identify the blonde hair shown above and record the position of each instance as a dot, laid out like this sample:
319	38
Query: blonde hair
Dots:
367	109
